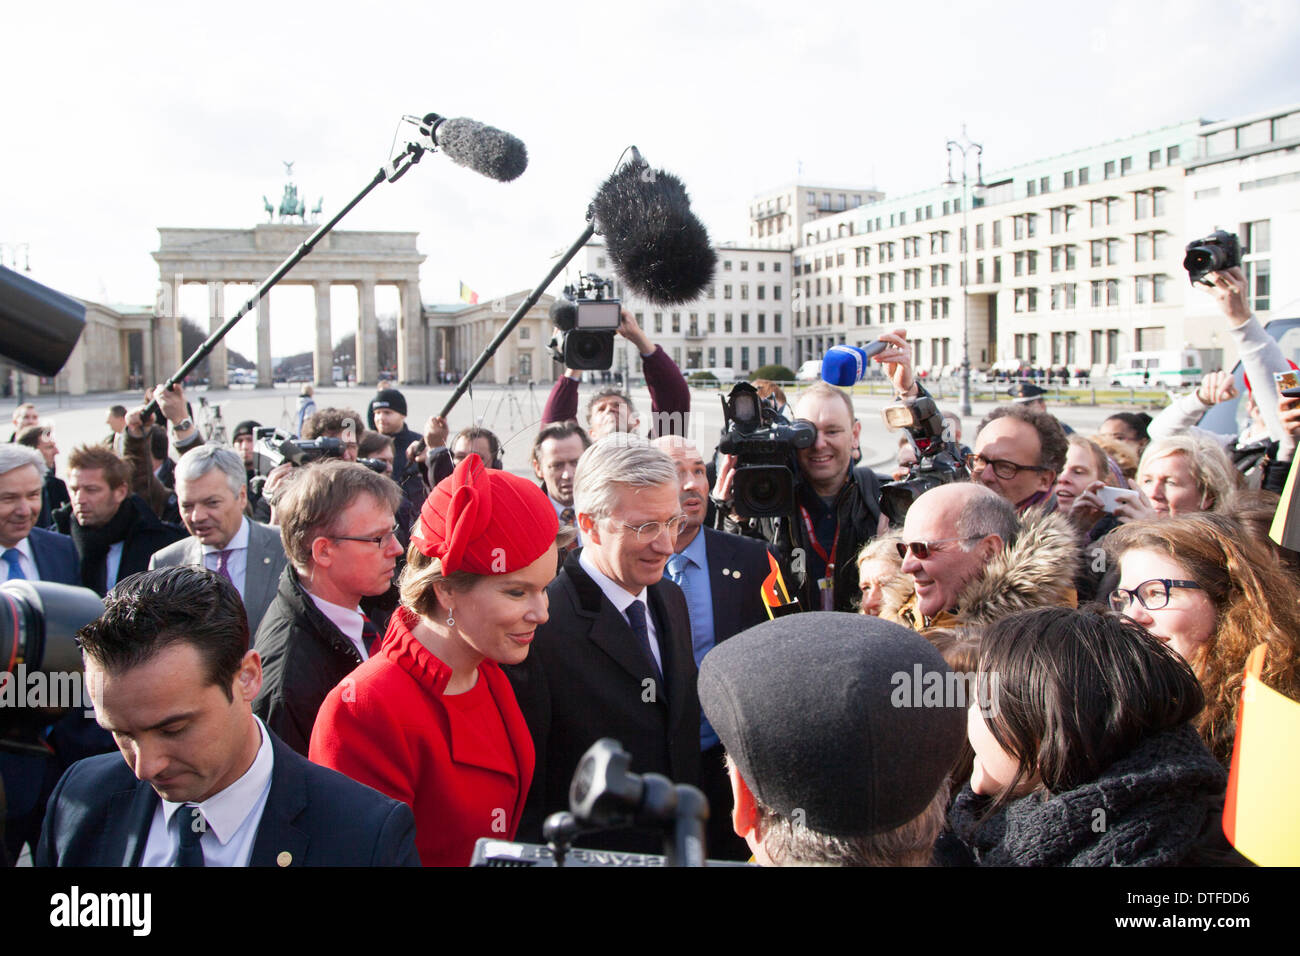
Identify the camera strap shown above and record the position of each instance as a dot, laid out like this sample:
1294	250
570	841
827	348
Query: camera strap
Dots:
825	585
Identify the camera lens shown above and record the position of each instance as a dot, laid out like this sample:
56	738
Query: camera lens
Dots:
763	491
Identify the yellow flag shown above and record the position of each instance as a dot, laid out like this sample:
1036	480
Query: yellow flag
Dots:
1259	811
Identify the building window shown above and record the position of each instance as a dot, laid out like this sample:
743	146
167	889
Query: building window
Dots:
762	291
997	233
744	265
726	265
713	324
1083	176
744	358
762	323
776	322
713	357
1031	188
744	290
979	271
1126	165
997	268
726	323
1097	291
776	355
776	267
1067	179
659	323
1098	247
726	292
677	323
1112	292
726	356
1112	252
1108	171
979	236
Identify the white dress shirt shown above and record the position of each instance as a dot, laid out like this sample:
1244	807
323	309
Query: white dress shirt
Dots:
232	817
621	599
347	620
113	563
236	562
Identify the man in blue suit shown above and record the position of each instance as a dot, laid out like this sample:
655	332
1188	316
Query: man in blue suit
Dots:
204	782
30	553
721	576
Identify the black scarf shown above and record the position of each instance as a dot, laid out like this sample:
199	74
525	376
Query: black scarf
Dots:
93	544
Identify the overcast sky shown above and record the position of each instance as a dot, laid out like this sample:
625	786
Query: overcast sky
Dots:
119	119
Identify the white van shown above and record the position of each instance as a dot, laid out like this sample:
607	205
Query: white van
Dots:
1167	369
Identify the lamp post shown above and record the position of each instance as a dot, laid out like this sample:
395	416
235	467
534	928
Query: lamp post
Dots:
966	146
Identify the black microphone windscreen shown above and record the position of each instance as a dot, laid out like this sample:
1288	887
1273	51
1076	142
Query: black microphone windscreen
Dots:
564	313
482	148
657	245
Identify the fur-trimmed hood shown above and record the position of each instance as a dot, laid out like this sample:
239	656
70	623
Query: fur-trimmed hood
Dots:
1037	570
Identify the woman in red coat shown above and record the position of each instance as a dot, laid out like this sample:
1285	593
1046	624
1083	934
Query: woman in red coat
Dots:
431	720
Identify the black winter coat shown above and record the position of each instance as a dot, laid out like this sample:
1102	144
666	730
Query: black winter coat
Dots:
1157	806
304	655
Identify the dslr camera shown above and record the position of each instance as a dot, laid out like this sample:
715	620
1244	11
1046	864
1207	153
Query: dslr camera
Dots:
1218	251
587	316
939	460
765	445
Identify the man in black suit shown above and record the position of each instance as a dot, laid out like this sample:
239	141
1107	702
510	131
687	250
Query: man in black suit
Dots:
115	531
204	783
721	576
29	553
614	659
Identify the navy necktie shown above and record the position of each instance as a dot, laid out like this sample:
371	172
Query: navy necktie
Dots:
191	826
370	636
636	617
15	568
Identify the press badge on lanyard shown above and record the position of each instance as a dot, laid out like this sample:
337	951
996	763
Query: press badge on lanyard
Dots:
826	585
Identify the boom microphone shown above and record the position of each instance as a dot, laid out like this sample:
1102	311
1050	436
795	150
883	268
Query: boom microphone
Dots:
848	364
658	247
482	148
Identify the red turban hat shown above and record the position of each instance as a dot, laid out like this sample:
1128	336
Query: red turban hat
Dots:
485	521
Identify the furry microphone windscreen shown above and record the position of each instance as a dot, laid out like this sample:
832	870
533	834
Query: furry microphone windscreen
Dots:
657	245
482	148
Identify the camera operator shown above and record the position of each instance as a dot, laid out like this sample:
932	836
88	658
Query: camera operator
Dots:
837	507
610	410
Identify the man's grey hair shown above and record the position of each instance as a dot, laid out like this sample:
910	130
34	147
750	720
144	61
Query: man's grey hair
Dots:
789	842
14	455
620	459
987	512
197	462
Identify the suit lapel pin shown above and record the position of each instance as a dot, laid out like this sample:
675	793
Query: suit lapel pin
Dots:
283	858
735	574
266	560
726	571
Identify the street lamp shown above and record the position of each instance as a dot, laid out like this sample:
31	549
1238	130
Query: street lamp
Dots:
964	147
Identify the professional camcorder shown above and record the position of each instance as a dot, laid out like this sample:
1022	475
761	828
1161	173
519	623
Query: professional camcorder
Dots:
938	457
273	447
1218	251
765	445
605	794
587	318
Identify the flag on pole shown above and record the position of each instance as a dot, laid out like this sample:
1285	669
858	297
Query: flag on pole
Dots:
468	295
776	596
1259	815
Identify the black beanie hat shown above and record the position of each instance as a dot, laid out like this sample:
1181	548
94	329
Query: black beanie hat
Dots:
821	712
388	398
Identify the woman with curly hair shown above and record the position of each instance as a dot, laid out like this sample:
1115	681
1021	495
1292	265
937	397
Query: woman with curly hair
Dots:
1212	593
880	574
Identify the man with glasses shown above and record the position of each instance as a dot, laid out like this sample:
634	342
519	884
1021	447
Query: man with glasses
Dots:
614	659
336	523
1018	454
973	561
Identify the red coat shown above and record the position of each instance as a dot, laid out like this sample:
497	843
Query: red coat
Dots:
387	725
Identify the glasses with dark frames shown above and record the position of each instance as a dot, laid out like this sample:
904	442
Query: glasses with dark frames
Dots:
1152	595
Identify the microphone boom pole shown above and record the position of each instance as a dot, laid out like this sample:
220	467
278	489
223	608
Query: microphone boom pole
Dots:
490	349
482	148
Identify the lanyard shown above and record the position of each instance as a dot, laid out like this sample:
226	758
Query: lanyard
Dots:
816	545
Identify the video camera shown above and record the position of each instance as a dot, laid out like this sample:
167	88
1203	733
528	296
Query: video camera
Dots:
605	794
1218	251
938	457
587	319
765	445
272	448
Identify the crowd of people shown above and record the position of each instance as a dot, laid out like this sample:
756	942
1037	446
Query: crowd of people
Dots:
402	648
